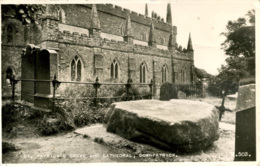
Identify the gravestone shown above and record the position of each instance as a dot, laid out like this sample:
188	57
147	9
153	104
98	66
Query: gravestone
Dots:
28	72
168	91
181	95
38	64
245	140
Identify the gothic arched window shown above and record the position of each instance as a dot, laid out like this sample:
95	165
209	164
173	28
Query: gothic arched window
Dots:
162	41
142	73
10	34
164	74
122	30
61	15
76	69
114	69
183	75
9	74
144	36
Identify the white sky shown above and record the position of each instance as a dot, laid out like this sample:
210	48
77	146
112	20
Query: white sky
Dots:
205	19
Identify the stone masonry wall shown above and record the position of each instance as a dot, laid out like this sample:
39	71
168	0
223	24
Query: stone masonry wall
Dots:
96	53
113	18
12	50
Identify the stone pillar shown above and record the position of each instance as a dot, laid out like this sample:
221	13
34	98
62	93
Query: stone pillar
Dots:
94	29
131	68
156	78
128	36
152	38
172	39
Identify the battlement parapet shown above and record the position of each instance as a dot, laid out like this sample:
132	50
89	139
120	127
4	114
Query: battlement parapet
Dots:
183	55
83	39
135	17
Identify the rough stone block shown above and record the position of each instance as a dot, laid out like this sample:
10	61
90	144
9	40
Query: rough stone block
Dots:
176	125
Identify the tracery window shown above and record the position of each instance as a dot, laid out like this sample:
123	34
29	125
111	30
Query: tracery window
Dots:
114	69
76	69
164	74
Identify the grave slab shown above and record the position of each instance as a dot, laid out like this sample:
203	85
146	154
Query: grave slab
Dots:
176	125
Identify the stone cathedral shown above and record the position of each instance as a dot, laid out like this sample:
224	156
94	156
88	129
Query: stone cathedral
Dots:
79	42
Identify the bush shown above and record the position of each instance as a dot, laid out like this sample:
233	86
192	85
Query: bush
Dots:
70	115
79	108
10	114
191	90
13	112
47	128
247	81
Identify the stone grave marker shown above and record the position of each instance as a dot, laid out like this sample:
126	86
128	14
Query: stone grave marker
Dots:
245	140
168	91
181	95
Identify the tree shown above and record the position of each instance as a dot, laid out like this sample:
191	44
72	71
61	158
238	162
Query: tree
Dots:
25	13
240	48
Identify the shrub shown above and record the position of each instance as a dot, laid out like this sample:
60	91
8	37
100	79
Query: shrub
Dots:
79	113
13	112
79	108
10	114
47	128
190	90
246	81
135	93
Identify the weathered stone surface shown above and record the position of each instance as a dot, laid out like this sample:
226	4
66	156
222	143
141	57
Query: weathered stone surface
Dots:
246	97
181	95
176	125
168	92
245	140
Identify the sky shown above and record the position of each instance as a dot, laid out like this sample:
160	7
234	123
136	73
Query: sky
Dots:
204	19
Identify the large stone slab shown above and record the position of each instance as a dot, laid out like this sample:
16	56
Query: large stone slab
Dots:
176	125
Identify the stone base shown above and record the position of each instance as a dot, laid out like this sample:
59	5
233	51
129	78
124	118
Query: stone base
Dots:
43	101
